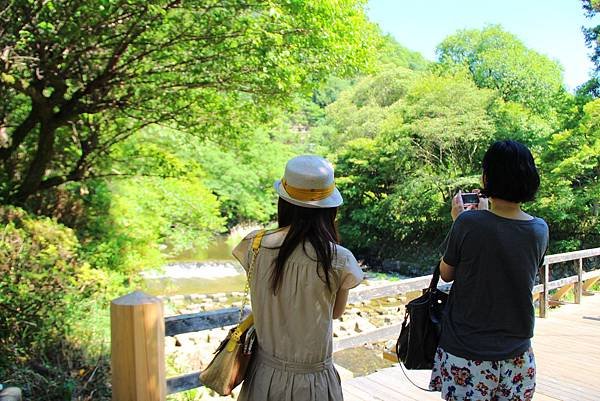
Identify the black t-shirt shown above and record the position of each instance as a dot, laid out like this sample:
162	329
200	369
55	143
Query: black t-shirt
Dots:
490	314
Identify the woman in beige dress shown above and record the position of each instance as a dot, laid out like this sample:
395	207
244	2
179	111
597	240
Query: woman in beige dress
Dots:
300	284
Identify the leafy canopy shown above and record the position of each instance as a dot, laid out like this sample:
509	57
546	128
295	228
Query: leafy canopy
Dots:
498	60
77	77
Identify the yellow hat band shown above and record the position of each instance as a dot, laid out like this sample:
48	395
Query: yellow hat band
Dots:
303	194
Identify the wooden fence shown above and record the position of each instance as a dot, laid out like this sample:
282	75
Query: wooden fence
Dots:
138	327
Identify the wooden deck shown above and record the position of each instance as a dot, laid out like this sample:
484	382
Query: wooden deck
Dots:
567	350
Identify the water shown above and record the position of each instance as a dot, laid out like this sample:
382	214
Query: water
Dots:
205	271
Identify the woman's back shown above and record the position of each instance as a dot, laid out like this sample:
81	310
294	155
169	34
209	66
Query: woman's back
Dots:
490	311
294	326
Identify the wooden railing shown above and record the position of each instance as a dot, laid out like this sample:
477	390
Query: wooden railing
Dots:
138	327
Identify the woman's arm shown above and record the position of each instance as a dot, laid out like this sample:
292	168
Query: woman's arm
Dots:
341	298
446	271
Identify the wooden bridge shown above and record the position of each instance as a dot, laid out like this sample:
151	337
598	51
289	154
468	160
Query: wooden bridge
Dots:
567	345
567	352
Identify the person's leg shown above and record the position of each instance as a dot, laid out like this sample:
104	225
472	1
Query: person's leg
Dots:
462	379
517	378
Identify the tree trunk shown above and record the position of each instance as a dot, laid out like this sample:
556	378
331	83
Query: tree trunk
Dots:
37	168
19	134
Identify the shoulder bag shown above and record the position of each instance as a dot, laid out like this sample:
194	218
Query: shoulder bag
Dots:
420	333
228	368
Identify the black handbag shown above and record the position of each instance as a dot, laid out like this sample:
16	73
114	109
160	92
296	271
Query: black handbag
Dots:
420	333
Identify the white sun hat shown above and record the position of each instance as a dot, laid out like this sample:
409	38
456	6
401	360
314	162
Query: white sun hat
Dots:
308	181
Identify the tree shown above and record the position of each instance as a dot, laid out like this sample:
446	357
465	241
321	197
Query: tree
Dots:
78	77
498	60
592	40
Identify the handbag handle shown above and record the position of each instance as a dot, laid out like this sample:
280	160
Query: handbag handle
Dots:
435	278
255	248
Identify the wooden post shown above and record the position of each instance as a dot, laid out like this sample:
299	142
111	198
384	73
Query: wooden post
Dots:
579	284
137	348
544	295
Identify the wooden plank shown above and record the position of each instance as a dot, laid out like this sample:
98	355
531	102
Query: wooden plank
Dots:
355	392
390	356
388	290
561	292
567	350
383	333
565	390
588	283
591	274
543	300
381	391
184	382
578	286
207	320
192	322
567	256
397	379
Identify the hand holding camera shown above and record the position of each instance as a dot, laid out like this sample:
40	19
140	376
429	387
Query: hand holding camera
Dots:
468	201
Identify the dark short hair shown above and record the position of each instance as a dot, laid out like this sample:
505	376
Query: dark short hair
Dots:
510	172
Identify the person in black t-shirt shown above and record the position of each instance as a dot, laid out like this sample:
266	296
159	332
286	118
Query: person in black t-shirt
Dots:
492	258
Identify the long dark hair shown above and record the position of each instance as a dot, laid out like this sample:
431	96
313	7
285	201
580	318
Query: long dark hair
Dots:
315	225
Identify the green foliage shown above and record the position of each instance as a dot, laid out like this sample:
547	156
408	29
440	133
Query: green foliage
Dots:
39	269
592	40
426	141
391	53
360	111
243	179
105	71
498	60
570	190
53	310
404	142
446	119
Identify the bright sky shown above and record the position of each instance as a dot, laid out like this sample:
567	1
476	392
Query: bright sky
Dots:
551	27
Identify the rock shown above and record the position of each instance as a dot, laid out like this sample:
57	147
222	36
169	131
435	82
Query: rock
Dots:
176	298
10	394
184	340
170	344
369	346
361	325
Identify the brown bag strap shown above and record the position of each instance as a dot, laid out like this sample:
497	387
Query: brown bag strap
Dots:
255	249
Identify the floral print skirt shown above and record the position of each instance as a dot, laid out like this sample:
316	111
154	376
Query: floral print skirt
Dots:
461	379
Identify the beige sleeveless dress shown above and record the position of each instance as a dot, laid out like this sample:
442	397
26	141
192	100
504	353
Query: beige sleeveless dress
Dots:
294	328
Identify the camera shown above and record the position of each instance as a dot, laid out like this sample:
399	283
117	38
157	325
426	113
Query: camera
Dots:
470	198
